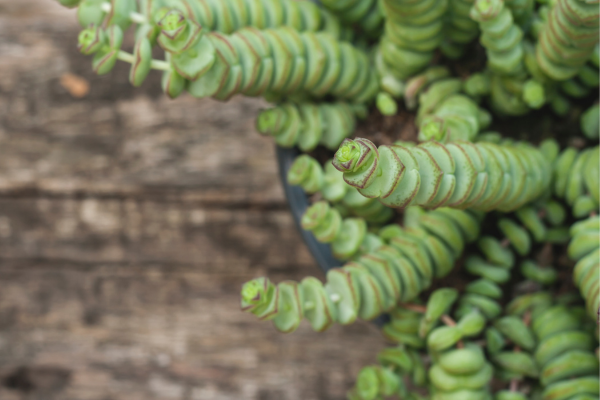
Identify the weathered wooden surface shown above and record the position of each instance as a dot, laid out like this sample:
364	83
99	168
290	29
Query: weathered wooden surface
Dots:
128	223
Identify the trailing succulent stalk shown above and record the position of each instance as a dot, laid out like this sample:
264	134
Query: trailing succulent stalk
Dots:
326	65
501	37
225	16
586	80
456	118
590	122
413	30
348	236
568	38
460	28
431	98
564	355
374	282
418	83
329	182
308	125
577	179
480	176
250	61
585	249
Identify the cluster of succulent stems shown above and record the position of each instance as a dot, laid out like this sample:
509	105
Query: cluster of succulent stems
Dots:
497	209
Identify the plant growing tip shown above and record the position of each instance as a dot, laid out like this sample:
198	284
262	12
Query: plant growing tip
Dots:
172	24
433	130
347	156
484	10
386	104
253	292
534	94
177	32
91	40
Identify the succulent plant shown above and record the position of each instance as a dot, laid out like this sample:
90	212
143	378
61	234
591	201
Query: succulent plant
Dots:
464	237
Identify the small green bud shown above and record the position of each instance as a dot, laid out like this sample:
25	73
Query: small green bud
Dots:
444	337
260	297
386	104
477	85
91	40
172	24
347	155
271	121
533	94
253	291
433	130
367	384
178	33
105	59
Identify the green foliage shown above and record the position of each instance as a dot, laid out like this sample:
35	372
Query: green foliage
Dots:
347	236
568	38
308	125
506	327
456	118
411	34
329	183
501	37
577	179
585	249
366	14
480	176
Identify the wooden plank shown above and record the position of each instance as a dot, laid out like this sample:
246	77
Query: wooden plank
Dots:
165	332
128	223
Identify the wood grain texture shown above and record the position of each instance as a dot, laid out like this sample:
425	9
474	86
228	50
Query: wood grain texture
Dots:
128	223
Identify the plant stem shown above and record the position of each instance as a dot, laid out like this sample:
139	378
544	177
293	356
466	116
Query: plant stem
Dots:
155	64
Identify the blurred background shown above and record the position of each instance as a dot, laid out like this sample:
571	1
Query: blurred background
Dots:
128	223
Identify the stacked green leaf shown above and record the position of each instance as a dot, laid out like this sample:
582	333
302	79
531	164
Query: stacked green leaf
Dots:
364	14
456	118
329	182
348	236
413	30
480	176
587	79
522	11
538	223
568	38
508	94
421	82
397	364
374	282
250	61
461	373
460	28
374	382
308	125
435	94
577	179
225	16
517	361
585	249
590	122
501	37
568	367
